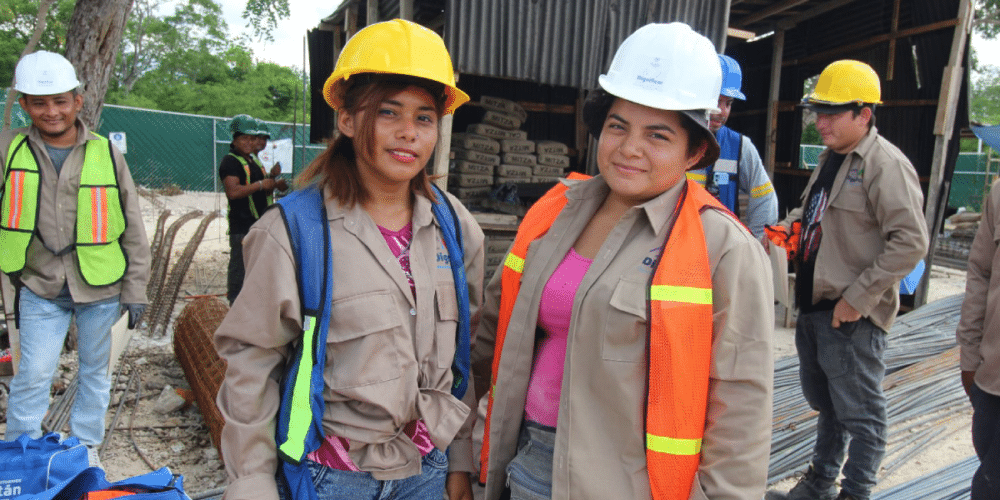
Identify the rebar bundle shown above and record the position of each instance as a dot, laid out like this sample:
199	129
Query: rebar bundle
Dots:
168	292
154	248
161	262
948	483
922	388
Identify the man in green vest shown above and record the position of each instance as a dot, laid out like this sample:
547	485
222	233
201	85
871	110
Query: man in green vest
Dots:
72	240
248	188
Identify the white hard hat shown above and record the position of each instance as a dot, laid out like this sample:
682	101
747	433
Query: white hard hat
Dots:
666	66
44	73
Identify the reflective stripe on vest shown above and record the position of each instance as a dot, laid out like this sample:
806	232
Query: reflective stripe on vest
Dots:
100	218
246	170
679	349
17	218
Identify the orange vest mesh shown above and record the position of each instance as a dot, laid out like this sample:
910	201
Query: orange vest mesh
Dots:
680	337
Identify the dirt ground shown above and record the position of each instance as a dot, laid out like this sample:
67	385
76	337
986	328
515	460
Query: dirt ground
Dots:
143	439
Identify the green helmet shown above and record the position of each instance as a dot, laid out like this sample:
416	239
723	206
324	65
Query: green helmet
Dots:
262	128
243	124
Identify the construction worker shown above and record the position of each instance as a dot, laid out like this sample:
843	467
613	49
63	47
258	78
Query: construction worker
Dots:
73	242
382	272
862	231
979	337
248	188
597	392
738	169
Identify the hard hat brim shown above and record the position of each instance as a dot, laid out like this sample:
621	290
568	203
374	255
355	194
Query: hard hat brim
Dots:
734	93
830	108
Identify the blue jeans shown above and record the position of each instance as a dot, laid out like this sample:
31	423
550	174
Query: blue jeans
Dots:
986	440
333	484
841	370
529	474
44	324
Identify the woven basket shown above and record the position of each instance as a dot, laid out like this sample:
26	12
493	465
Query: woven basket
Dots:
203	367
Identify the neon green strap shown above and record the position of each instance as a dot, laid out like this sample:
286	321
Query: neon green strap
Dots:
687	294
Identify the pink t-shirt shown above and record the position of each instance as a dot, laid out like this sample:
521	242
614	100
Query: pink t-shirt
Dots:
554	313
333	452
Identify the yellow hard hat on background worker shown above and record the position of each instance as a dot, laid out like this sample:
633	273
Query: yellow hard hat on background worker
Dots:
843	85
396	47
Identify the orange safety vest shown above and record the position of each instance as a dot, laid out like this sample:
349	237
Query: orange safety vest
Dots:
679	333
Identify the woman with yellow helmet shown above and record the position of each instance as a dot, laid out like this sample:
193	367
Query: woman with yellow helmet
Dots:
348	367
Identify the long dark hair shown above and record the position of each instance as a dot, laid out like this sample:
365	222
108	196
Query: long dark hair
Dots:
336	168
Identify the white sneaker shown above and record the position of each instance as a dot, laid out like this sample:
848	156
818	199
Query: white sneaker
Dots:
93	458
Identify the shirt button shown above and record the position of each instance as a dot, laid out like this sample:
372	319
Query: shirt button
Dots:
413	312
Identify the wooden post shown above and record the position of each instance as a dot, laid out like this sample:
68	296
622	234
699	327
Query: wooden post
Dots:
771	143
371	17
944	124
406	9
351	20
442	152
893	30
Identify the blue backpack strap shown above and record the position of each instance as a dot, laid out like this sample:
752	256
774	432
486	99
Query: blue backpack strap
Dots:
299	426
452	232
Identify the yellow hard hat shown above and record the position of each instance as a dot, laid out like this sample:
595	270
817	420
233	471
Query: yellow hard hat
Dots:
846	82
396	47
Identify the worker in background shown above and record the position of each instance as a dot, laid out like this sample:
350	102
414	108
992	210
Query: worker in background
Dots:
248	188
979	337
73	243
862	231
626	341
739	168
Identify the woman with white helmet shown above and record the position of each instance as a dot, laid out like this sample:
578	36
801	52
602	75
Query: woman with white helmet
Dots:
348	367
626	341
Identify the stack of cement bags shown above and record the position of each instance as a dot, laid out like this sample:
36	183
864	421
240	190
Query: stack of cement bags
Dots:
552	161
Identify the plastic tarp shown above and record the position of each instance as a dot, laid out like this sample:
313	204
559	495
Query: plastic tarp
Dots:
988	134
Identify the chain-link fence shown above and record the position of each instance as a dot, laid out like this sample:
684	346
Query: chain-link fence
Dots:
177	150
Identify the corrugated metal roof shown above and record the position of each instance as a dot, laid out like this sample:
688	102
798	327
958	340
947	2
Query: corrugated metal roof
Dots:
561	42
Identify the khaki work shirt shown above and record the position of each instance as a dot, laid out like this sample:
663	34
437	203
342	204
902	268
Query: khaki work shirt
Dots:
873	229
979	329
600	448
45	273
388	354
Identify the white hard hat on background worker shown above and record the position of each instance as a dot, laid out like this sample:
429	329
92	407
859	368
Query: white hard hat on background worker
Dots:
44	73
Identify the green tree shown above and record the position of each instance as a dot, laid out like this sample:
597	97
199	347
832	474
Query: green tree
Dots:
987	21
17	22
984	105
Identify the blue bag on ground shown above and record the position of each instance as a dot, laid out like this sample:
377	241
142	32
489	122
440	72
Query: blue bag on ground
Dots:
34	465
156	485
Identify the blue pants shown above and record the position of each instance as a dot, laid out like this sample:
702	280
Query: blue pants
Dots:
529	474
986	440
841	371
44	324
333	484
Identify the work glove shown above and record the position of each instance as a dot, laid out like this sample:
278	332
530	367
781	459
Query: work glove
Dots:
134	314
784	238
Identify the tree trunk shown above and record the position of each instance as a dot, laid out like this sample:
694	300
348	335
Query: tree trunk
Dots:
93	40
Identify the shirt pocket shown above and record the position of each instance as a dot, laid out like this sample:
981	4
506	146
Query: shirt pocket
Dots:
446	323
363	345
624	336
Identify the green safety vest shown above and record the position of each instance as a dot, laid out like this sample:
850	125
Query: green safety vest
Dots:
246	170
100	219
